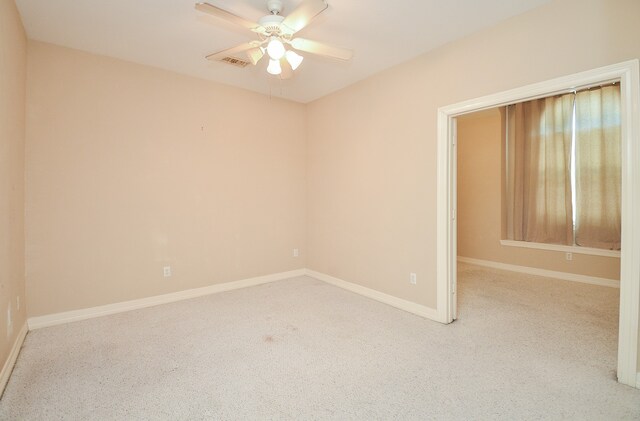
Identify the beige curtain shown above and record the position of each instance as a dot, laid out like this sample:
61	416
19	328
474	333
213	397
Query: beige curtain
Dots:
598	167
538	170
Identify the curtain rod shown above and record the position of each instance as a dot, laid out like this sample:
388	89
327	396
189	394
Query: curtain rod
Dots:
573	91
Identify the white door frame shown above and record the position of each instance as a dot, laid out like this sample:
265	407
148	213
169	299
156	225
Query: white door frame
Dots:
628	74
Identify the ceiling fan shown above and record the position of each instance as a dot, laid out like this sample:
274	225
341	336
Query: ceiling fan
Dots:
275	36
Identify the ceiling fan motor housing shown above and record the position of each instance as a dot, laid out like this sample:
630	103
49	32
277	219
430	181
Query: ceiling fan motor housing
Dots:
271	23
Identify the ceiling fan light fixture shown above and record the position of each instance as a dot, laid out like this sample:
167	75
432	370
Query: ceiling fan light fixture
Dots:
275	48
274	67
294	59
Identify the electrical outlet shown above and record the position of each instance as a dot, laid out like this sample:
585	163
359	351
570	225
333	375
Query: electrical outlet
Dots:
569	256
413	279
167	271
296	252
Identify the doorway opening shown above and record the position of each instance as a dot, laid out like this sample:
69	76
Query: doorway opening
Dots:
627	73
522	291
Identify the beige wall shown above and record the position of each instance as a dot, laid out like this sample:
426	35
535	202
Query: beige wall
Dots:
372	146
131	168
479	205
13	72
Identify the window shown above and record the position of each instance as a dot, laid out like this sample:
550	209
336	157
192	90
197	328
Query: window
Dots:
563	167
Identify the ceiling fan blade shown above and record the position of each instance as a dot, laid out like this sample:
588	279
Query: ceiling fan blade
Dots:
255	54
229	17
287	71
315	47
229	51
302	15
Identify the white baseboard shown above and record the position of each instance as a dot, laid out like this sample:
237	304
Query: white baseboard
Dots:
543	272
11	359
400	303
88	313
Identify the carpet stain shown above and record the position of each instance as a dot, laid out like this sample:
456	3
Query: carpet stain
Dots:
614	375
269	338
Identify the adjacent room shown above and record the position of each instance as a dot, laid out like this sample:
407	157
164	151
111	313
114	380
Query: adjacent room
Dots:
538	231
318	209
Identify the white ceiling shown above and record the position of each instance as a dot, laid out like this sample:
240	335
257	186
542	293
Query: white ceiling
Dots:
171	34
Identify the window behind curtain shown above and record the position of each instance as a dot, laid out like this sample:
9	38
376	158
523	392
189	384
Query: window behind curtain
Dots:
564	169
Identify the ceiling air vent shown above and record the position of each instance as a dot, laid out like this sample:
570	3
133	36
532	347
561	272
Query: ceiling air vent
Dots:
235	61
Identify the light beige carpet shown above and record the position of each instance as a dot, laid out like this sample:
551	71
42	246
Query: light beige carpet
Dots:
523	348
